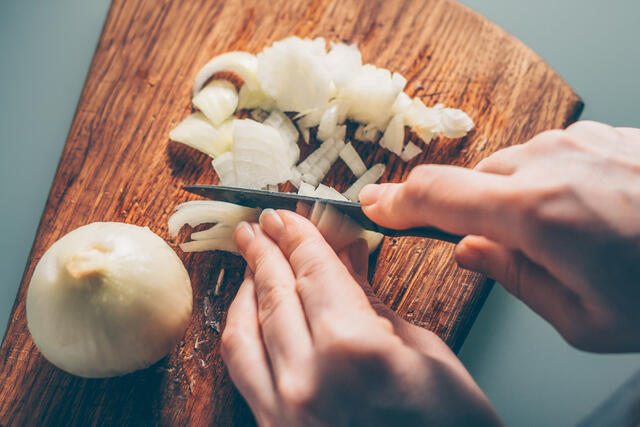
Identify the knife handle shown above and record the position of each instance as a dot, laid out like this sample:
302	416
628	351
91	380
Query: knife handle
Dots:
427	232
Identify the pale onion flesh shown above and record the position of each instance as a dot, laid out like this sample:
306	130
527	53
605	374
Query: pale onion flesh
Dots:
241	63
352	159
217	101
369	177
198	132
410	151
108	299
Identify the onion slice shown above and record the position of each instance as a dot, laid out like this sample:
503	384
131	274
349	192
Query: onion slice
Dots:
369	177
241	63
198	132
217	100
353	161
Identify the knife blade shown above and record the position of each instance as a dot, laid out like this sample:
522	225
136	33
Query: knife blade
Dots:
289	201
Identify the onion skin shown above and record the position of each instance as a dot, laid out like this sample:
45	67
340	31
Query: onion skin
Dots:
108	299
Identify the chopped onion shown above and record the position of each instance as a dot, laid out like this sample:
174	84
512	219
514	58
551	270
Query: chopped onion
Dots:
328	123
367	133
424	121
218	231
306	190
410	151
455	123
401	104
261	155
304	132
217	100
319	166
198	132
254	98
241	63
326	192
226	216
283	124
369	177
350	156
343	62
226	169
340	133
292	72
393	137
370	95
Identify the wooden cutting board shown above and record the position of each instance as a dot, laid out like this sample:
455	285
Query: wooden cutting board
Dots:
118	165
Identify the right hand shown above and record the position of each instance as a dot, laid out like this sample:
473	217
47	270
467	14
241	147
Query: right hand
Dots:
555	220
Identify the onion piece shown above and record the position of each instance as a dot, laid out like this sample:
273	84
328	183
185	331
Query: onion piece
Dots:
424	121
455	123
198	132
393	137
225	215
199	212
306	190
218	231
241	63
343	62
280	121
340	133
224	166
320	167
410	151
401	104
328	123
370	95
353	161
261	155
292	72
254	98
369	177
326	192
367	133
217	100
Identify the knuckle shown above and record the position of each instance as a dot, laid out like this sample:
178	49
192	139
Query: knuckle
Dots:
305	256
295	389
232	339
271	296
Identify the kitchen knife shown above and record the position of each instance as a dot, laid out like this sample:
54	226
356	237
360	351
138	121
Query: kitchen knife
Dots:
289	201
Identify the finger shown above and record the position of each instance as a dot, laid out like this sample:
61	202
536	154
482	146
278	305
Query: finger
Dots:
521	277
282	319
356	258
502	162
456	200
631	133
243	351
327	290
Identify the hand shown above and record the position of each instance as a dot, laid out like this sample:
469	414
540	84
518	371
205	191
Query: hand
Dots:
305	346
560	220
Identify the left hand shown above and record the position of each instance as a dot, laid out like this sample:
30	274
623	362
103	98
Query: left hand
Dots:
306	341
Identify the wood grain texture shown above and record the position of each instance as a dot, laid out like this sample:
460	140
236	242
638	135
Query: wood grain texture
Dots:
118	165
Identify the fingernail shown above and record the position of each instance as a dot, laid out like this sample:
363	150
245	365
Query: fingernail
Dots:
243	235
271	223
469	257
370	194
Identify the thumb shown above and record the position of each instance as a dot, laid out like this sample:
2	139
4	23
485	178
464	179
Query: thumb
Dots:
453	199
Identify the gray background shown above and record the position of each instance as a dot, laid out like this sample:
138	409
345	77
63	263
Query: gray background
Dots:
530	374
